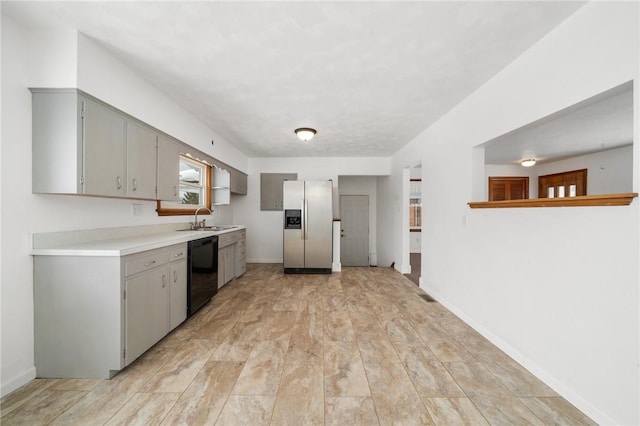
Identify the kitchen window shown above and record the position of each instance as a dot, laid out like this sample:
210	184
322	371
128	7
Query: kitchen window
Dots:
195	188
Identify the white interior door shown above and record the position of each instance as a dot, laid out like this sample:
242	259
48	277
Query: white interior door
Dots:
354	235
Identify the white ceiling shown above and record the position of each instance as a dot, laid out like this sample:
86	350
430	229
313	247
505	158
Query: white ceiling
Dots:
600	123
369	76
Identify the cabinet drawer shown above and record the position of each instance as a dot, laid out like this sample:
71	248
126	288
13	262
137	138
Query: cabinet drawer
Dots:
145	263
226	239
178	252
241	253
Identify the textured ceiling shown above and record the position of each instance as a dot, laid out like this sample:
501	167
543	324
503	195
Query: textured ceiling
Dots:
369	76
596	124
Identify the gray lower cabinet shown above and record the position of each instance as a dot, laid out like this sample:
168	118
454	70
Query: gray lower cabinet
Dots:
94	315
231	256
178	292
146	311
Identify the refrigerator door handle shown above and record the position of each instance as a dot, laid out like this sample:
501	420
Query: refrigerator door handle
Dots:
303	228
306	212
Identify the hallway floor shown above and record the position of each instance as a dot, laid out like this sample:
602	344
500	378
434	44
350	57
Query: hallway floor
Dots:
357	347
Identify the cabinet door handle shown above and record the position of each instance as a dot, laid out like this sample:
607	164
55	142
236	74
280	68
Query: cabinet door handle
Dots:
175	276
118	182
175	191
178	254
150	263
164	280
135	185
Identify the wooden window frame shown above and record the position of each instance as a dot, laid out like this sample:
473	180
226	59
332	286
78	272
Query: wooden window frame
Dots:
187	211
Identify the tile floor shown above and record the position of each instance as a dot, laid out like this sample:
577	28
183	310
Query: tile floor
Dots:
358	347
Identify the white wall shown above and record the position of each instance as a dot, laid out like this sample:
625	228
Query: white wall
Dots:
608	172
565	299
28	60
364	185
264	228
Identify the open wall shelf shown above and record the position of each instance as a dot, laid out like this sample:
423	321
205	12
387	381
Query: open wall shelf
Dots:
582	201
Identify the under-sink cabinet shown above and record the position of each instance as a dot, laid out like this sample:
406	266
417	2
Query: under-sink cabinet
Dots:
94	315
231	256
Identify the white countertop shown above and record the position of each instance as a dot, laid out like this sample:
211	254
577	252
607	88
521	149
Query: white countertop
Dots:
124	246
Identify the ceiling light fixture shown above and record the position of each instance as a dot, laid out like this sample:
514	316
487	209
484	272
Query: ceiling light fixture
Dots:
528	163
305	133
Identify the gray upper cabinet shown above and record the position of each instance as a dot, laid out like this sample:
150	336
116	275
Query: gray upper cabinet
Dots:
168	169
104	145
271	189
57	142
83	146
141	161
238	182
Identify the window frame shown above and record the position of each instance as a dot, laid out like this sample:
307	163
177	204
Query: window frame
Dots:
172	208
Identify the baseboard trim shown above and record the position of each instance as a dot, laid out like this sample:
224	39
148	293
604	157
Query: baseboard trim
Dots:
18	382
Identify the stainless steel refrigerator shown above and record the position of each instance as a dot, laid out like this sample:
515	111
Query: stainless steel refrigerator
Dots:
308	226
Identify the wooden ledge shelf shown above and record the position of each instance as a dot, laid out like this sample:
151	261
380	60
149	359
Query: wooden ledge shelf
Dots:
583	201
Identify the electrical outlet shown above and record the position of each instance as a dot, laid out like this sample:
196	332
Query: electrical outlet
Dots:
136	209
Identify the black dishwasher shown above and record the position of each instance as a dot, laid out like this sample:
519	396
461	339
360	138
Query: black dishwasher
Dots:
202	281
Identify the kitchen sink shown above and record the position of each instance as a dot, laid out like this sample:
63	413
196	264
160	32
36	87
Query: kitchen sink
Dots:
212	228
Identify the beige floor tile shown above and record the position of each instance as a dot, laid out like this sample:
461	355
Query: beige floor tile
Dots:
516	378
258	310
144	409
23	394
427	373
247	410
262	372
344	373
400	331
334	302
454	412
76	384
306	343
42	408
442	344
475	379
505	410
101	403
556	411
337	326
278	325
377	348
355	411
394	396
300	399
178	373
238	344
205	397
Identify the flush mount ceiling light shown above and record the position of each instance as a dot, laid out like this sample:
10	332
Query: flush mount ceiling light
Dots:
305	133
528	163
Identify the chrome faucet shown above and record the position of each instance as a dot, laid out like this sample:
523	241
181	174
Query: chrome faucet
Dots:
195	224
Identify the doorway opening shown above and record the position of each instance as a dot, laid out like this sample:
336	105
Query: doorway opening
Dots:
413	199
